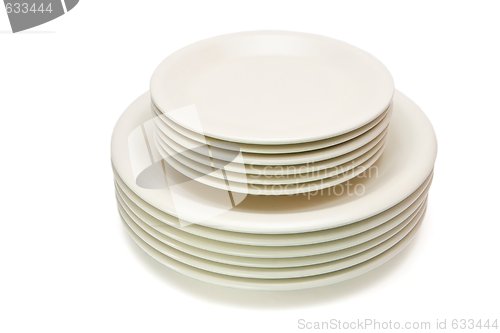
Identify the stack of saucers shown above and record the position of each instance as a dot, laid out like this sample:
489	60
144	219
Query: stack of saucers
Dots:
279	113
272	160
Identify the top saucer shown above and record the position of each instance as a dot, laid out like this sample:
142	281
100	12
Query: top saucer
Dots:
271	88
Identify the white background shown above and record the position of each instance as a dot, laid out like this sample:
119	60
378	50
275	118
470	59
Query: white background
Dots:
66	264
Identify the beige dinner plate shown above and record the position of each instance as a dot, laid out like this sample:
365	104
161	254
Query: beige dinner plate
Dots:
191	139
164	223
296	170
184	162
204	153
221	182
266	251
275	284
273	272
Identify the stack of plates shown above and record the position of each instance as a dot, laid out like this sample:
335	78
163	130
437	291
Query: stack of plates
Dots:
272	242
279	113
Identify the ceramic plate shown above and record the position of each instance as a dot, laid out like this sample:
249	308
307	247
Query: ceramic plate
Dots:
249	261
164	223
310	157
407	161
271	272
309	87
191	139
280	170
218	178
275	284
167	153
380	232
